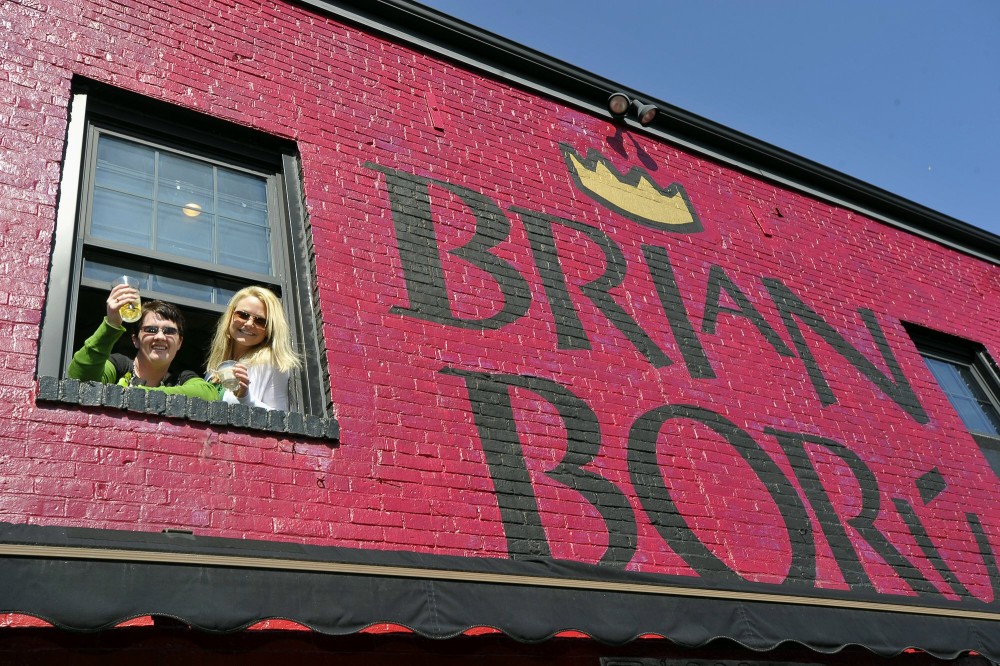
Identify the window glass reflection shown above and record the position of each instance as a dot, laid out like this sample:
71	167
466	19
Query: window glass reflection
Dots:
185	182
179	232
122	217
125	166
245	246
966	395
155	199
242	197
163	284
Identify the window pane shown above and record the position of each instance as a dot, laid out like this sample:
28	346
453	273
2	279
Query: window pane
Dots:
122	217
242	197
152	198
223	295
165	284
124	166
107	273
186	182
185	232
967	395
182	288
245	246
946	375
243	221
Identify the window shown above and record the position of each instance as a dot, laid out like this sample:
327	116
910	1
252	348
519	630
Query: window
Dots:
970	380
195	208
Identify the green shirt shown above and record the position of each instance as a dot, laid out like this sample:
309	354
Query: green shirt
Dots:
95	362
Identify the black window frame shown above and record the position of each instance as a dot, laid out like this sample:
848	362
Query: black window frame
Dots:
983	369
98	108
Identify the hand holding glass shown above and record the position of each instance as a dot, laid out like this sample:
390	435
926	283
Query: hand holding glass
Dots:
132	310
225	374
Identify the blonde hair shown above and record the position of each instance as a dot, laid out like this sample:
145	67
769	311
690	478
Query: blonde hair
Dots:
276	348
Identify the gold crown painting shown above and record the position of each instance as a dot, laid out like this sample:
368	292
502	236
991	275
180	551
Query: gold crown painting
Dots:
633	195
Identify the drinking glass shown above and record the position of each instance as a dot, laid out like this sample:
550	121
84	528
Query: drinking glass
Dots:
227	377
132	310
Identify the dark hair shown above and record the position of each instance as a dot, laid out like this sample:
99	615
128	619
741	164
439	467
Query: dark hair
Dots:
166	311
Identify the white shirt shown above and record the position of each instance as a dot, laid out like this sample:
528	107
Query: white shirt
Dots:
268	389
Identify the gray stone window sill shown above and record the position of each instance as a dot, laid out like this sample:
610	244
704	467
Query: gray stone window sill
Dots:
112	396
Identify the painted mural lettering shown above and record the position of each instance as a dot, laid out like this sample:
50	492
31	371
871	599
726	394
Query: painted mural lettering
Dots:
987	555
664	514
489	397
418	250
719	282
662	274
793	309
539	229
864	523
644	499
930	551
427	291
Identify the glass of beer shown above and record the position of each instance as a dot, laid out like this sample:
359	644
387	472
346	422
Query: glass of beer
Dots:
225	376
132	310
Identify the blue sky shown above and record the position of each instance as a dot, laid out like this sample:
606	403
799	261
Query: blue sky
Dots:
902	94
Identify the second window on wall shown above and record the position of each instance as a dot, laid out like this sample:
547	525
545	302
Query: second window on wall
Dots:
970	380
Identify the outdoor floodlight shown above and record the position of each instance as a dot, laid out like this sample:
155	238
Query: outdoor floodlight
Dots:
644	113
619	105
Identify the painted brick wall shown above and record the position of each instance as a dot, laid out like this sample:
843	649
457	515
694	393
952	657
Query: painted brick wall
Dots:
600	390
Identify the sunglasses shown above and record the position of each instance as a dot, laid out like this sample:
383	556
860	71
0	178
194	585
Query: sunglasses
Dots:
248	318
168	331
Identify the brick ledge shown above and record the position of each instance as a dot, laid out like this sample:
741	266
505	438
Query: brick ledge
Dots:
97	394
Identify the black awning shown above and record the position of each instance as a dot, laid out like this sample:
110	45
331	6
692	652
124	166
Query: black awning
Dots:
88	580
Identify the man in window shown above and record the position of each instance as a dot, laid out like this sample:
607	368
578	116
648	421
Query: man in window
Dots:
160	334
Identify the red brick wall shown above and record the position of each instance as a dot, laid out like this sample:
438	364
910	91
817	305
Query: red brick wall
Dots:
411	470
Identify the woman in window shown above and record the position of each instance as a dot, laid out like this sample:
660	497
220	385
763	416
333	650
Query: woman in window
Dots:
254	333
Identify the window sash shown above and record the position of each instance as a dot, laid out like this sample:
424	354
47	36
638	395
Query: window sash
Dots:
967	393
269	274
969	378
